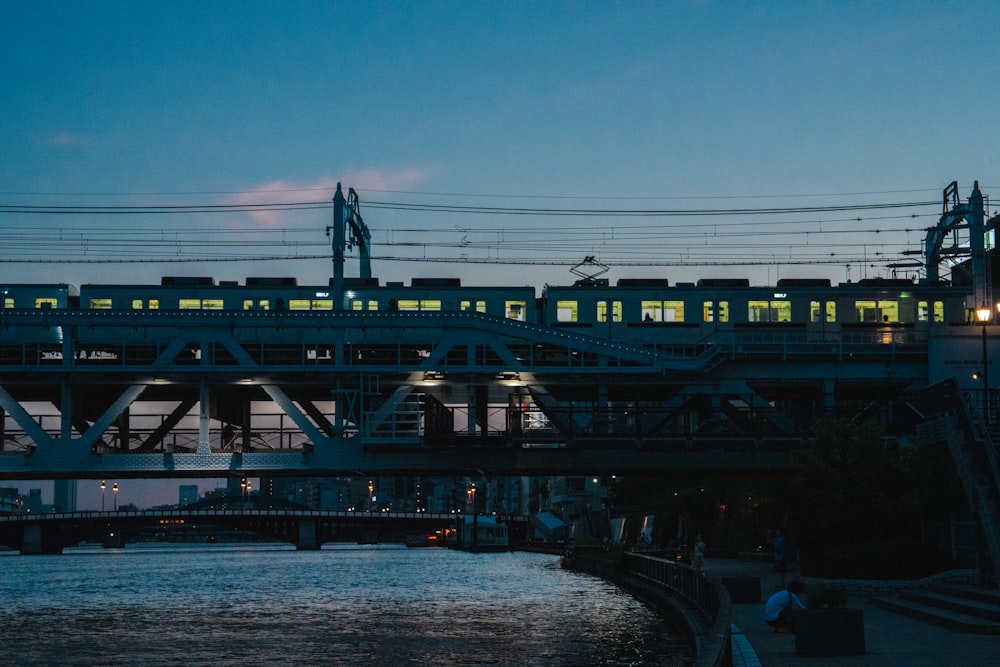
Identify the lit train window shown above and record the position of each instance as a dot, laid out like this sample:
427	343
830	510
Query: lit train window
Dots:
708	311
45	302
189	304
566	311
602	311
212	304
322	304
516	310
769	311
923	312
102	304
673	311
888	311
422	304
652	311
877	311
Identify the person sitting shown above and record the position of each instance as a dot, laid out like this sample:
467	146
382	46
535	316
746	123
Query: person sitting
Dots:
779	610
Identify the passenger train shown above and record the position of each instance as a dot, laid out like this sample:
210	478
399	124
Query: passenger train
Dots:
647	311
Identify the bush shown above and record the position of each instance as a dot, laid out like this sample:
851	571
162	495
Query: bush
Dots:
875	560
826	597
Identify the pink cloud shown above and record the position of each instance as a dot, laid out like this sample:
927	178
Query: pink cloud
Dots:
286	192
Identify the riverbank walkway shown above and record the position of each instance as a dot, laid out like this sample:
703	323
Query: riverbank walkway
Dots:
891	640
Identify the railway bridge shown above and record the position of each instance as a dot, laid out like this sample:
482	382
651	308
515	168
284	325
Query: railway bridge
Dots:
95	394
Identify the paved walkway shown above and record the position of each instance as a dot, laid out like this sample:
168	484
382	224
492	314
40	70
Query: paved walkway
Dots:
891	640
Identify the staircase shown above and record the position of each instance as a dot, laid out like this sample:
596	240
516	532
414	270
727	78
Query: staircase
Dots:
965	608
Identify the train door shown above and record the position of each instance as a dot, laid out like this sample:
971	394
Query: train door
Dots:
609	319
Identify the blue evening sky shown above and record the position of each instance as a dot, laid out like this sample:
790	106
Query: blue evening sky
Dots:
547	105
582	106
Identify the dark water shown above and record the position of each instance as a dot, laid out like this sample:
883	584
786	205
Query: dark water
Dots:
354	605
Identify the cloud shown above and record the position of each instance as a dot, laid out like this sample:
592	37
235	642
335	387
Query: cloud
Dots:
281	191
65	139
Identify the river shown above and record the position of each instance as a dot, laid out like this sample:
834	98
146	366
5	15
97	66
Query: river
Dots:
371	605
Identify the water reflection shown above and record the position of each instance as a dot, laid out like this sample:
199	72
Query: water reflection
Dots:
372	605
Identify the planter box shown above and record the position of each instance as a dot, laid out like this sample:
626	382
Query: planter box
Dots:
838	631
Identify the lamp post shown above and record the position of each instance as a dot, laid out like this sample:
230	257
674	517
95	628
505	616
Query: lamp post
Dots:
983	314
115	490
104	487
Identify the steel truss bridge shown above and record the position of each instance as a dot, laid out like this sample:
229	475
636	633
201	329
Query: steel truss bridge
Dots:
93	394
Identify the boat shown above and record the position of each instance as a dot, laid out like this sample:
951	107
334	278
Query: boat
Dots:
422	540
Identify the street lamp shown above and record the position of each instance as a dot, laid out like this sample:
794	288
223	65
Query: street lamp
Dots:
104	487
983	315
115	489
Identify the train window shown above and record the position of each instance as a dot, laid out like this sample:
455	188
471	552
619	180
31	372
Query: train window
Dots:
877	311
924	314
189	304
480	306
566	311
888	311
673	311
322	304
212	304
516	310
769	311
652	311
602	311
709	308
101	304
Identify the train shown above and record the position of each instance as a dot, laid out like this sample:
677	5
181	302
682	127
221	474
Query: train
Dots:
643	311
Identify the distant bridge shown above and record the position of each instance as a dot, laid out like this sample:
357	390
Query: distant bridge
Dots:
46	533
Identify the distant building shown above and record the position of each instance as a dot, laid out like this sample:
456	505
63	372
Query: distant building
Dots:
188	494
64	495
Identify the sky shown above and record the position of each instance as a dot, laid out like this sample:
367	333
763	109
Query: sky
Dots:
498	142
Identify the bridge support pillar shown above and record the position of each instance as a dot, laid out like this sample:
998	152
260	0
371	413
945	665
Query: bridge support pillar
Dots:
34	542
308	540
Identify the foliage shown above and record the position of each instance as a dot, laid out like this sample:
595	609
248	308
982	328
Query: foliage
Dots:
852	492
826	597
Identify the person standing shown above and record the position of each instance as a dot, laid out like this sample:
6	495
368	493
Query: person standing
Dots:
698	553
780	560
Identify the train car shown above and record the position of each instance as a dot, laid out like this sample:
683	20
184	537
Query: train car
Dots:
19	296
284	294
441	294
651	312
30	297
